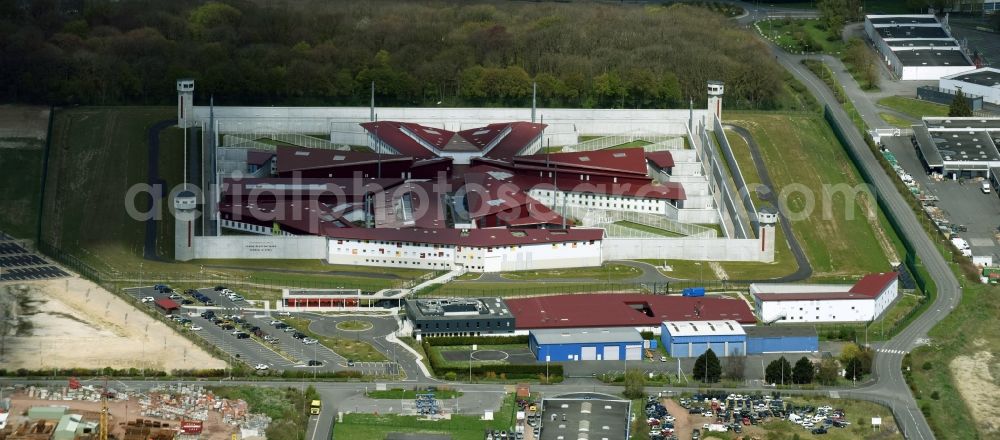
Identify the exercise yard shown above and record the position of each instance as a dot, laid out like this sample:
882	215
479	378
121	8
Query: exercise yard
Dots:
487	355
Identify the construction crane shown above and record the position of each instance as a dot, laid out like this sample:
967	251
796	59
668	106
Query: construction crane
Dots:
104	411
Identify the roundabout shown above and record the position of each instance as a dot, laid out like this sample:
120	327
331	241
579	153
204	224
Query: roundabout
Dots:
354	325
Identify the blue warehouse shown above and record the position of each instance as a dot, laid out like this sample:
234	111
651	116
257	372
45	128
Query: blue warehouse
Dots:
588	344
692	338
782	339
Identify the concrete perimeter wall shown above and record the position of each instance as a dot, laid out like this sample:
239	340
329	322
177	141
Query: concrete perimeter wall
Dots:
342	122
703	249
263	247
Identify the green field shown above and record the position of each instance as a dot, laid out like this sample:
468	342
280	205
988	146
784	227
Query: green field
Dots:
801	35
803	156
633	144
20	186
644	228
914	108
607	271
895	121
356	350
460	427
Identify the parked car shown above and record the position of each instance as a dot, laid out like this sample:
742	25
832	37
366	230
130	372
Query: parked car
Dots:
261	366
208	314
309	341
350	362
187	302
236	298
148	299
175	296
275	322
195	327
242	335
820	430
315	363
284	314
299	335
219	288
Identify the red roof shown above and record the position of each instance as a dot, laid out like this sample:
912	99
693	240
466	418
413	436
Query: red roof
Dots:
296	158
662	159
259	158
522	134
608	310
167	304
625	160
305	187
392	134
873	284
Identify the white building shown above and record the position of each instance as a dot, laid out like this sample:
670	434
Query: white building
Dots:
795	303
917	46
983	82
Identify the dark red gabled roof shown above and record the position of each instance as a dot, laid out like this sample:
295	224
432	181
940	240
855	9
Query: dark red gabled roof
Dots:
259	158
522	134
292	159
391	133
662	159
626	160
436	137
608	310
167	304
483	136
872	285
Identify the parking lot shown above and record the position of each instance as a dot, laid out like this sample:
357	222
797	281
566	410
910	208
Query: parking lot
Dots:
233	317
19	264
963	203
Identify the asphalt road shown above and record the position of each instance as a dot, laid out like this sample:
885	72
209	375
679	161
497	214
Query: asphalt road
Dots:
890	388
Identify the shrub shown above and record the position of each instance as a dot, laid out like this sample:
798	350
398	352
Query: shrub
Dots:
438	341
935	395
927	366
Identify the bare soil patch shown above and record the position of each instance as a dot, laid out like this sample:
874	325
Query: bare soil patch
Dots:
74	323
979	388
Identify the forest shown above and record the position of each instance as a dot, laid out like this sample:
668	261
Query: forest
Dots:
418	53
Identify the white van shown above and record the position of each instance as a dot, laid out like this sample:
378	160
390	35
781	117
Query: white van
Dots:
986	187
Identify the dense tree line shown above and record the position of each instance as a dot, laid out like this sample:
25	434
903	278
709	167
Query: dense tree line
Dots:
418	53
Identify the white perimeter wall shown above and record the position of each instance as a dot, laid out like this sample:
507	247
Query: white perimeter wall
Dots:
703	249
264	247
473	259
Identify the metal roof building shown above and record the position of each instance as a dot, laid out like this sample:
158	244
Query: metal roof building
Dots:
964	147
917	47
692	338
799	303
586	344
614	310
459	316
781	339
983	82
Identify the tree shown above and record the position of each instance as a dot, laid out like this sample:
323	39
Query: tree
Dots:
804	371
828	371
735	367
835	13
779	371
707	368
854	369
959	106
635	384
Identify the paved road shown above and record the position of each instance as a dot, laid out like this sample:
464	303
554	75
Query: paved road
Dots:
890	387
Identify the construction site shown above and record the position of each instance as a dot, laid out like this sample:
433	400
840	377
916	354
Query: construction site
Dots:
100	412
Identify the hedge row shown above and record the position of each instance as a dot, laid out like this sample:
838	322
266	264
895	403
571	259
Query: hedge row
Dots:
477	340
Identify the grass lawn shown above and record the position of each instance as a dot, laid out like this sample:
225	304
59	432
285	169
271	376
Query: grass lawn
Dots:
20	186
460	427
649	229
894	120
607	271
437	350
913	107
399	393
801	35
633	144
356	350
804	159
354	325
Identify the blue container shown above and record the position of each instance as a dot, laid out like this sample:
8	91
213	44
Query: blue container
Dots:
693	291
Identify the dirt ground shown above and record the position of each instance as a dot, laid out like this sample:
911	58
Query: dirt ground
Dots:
23	121
121	410
682	422
76	323
978	388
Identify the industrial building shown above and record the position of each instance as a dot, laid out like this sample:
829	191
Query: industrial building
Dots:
336	299
917	46
590	344
984	82
693	338
800	303
763	339
958	147
591	416
459	317
640	312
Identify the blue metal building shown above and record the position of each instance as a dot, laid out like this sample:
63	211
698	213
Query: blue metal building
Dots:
557	345
781	339
692	338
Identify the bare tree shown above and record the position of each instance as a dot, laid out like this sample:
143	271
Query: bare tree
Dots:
735	367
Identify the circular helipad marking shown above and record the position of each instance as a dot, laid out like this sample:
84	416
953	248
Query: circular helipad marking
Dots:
489	355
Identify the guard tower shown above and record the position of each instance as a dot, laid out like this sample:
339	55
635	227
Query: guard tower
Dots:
715	98
185	102
767	218
185	203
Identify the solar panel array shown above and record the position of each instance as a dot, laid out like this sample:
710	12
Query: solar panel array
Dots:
19	264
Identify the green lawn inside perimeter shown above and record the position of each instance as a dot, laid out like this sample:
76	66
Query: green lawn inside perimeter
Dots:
399	393
459	427
914	108
104	149
355	350
649	229
20	186
612	271
894	120
805	160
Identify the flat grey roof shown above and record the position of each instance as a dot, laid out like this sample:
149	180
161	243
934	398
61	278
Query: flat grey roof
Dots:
927	148
586	336
602	419
988	124
987	76
932	57
774	331
901	19
965	146
458	308
922	42
911	32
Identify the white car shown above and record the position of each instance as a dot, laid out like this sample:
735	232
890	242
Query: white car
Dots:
148	299
284	314
227	292
236	298
195	327
275	322
261	367
309	341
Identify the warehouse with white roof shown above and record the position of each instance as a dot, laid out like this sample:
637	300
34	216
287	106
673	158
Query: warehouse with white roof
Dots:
917	46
